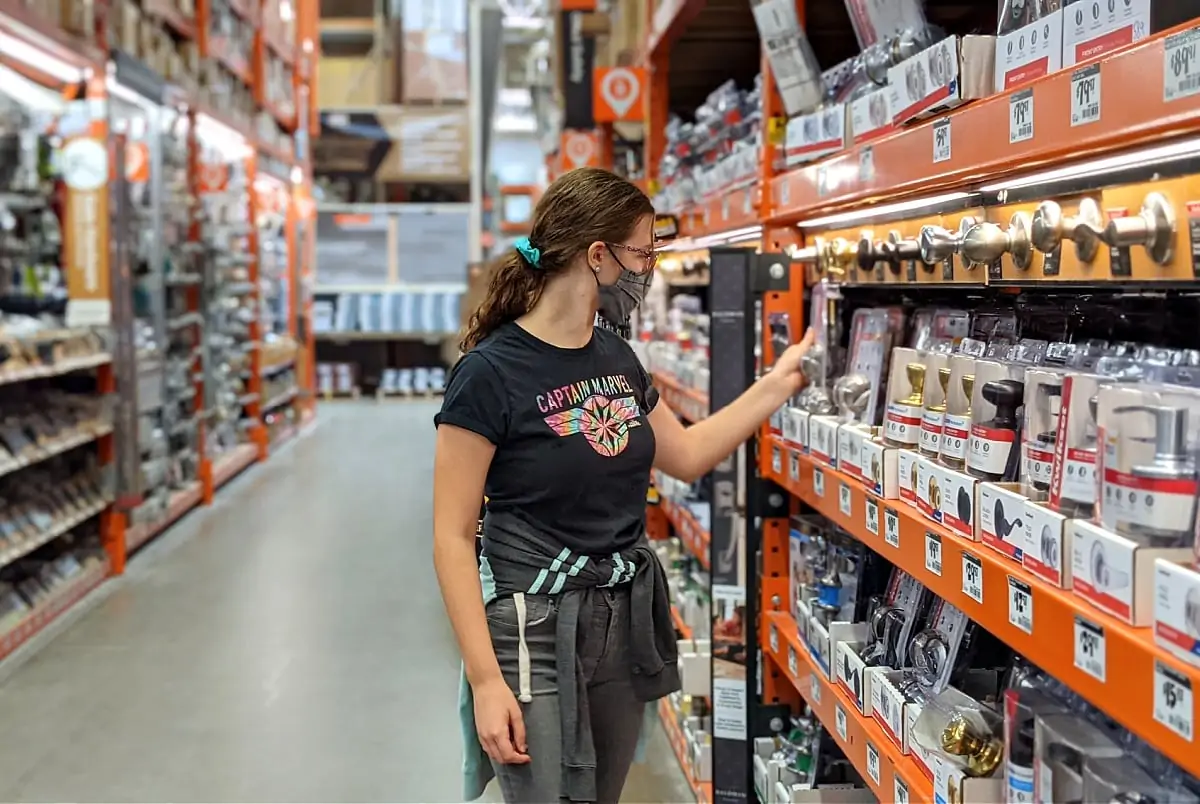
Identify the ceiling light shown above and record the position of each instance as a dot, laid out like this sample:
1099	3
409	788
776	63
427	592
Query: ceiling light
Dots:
1156	155
41	60
881	211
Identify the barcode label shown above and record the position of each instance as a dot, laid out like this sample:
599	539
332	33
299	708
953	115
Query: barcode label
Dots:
1085	95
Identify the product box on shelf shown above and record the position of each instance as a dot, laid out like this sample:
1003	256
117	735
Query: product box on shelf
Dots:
1030	52
870	115
770	772
879	465
795	428
906	476
927	488
997	395
933	417
951	783
822	439
1092	28
956	422
814	135
1116	574
854	676
955	70
887	707
1048	544
1177	609
1073	479
796	70
905	399
695	666
1002	517
959	508
851	437
1040	428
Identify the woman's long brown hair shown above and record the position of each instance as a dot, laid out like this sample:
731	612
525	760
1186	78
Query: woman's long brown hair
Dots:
582	207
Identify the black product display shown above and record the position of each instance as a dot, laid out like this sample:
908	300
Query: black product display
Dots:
1006	396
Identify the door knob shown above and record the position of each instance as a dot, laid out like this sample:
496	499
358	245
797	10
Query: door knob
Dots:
897	249
1153	227
869	252
937	244
840	254
985	242
1085	229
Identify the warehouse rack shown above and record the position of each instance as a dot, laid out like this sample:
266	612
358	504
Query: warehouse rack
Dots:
142	122
826	219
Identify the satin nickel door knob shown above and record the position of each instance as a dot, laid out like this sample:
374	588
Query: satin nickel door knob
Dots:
936	244
897	249
1085	229
984	243
1153	227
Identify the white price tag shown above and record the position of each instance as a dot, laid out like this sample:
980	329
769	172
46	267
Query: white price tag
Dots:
1181	65
818	483
747	205
866	165
776	461
873	763
933	553
1090	648
891	527
839	717
899	790
785	193
794	466
1173	700
815	684
1085	95
872	517
774	637
941	140
972	584
725	208
845	500
1020	116
793	662
1020	605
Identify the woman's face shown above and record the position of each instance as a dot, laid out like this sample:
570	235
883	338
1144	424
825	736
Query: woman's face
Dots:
634	255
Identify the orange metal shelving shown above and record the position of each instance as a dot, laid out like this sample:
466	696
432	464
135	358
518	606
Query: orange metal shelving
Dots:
690	404
702	790
1127	694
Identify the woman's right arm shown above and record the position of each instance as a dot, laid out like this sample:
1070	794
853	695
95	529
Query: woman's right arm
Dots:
460	468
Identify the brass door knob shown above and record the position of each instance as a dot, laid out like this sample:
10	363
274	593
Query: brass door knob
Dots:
984	243
840	254
1085	229
1153	227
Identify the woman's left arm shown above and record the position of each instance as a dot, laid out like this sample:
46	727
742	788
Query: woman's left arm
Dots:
689	453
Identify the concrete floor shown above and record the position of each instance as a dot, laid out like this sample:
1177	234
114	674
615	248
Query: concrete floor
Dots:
286	645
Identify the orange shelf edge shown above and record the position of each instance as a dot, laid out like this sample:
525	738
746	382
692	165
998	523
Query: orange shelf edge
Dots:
981	152
725	212
666	27
702	790
683	628
1127	694
695	538
690	404
232	463
179	504
781	641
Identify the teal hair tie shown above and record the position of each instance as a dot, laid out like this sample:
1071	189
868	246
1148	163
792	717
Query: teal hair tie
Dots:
532	255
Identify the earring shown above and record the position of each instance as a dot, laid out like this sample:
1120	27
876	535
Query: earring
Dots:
595	269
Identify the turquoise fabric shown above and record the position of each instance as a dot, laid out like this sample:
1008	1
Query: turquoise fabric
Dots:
477	768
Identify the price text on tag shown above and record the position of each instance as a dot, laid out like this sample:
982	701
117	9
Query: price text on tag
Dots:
840	720
818	483
1085	95
872	517
972	584
793	662
1020	605
1090	648
1181	65
1020	116
845	500
794	466
873	763
933	553
891	527
1173	705
776	461
899	790
774	638
941	140
816	688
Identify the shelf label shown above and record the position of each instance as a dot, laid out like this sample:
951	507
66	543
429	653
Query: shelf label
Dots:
793	662
815	684
747	203
776	461
899	790
1020	116
891	527
933	553
1090	648
785	192
872	517
845	500
1085	95
972	577
774	638
724	208
1173	700
866	165
941	140
822	181
839	717
1020	605
794	466
873	763
818	482
1181	65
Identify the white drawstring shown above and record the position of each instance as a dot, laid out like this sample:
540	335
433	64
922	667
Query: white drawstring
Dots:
524	673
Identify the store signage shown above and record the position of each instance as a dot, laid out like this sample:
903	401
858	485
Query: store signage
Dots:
85	168
578	65
396	143
619	92
666	227
580	149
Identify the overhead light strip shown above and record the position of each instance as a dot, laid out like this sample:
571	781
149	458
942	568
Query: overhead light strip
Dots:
1156	155
880	211
41	60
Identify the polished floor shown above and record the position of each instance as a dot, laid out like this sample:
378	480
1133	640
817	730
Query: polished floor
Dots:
286	645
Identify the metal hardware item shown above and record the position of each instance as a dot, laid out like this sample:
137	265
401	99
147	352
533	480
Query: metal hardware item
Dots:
839	255
984	243
916	381
1104	576
851	395
983	754
1085	229
1153	227
968	388
896	249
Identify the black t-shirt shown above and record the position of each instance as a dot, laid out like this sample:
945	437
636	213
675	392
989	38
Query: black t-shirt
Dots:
573	446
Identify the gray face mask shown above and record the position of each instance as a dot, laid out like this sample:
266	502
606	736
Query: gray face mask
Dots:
618	301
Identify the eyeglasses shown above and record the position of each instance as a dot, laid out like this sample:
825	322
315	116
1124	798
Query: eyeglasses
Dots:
648	256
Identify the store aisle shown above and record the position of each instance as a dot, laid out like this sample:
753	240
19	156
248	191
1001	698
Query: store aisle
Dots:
286	645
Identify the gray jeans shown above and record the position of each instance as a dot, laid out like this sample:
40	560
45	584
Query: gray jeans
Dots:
616	713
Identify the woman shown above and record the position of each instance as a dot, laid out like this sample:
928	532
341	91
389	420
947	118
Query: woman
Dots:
564	624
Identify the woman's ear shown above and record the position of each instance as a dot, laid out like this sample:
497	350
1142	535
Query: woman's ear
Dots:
595	255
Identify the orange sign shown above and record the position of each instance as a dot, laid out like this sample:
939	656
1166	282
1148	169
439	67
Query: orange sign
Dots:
580	148
617	94
137	162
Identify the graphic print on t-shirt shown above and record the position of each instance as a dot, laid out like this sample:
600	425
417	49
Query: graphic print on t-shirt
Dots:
604	409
